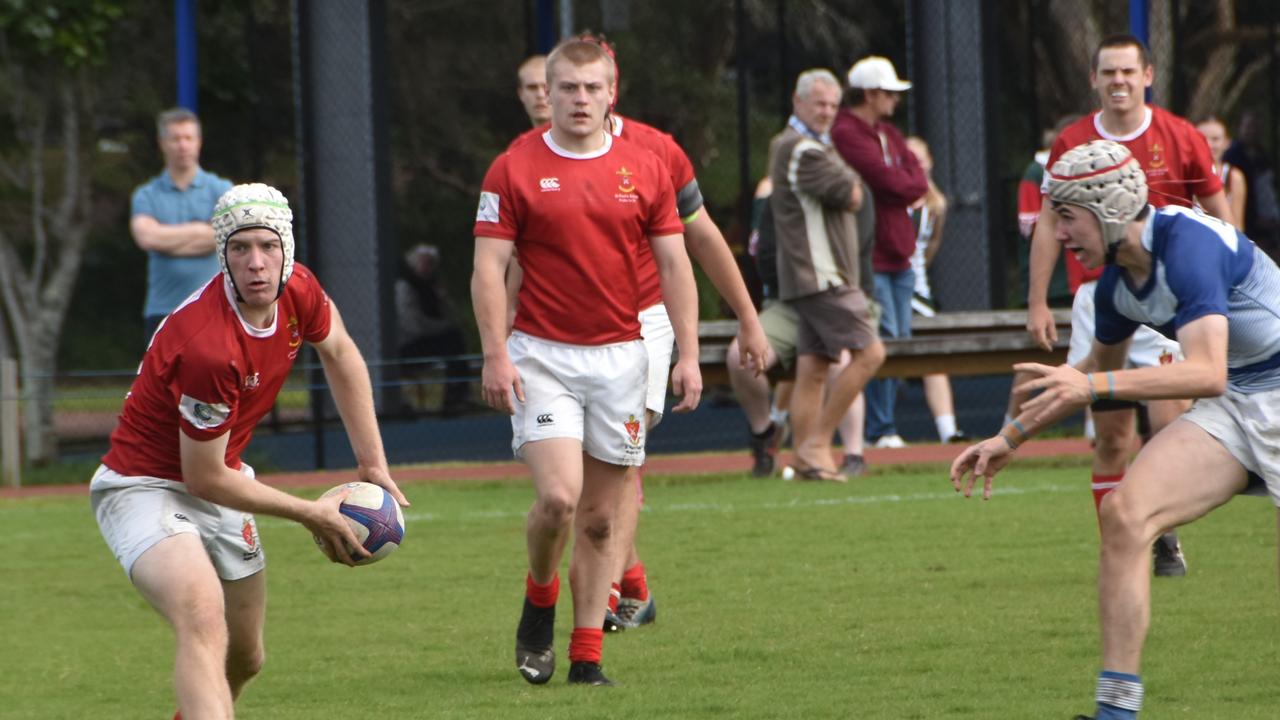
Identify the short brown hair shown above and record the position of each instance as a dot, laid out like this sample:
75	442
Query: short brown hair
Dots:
581	52
1119	41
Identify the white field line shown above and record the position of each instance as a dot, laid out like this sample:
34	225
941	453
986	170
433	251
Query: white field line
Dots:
722	508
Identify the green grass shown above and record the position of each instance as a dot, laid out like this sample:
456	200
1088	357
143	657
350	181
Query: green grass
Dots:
887	598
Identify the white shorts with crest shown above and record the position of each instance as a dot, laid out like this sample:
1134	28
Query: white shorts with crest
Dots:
135	513
659	338
1248	426
592	393
1148	348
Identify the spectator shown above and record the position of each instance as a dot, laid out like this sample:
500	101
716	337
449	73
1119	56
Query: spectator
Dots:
1233	179
929	215
1261	208
814	198
427	324
170	218
875	149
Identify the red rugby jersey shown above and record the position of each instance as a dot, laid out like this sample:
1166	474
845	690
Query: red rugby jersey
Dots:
578	222
1174	154
207	372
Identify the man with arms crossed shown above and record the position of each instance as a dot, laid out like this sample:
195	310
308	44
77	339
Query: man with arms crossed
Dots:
170	218
1179	170
630	603
814	198
173	498
573	372
1190	276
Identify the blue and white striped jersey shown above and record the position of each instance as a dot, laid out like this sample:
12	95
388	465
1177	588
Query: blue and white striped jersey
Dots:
1200	266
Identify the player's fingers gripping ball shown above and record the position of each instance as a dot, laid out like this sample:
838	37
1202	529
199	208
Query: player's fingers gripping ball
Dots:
374	516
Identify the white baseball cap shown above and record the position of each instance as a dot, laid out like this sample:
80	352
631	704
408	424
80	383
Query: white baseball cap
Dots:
876	73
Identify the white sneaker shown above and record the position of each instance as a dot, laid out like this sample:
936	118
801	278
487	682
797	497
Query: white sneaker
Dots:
890	441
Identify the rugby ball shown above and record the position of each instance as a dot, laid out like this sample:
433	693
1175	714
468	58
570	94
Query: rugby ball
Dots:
374	516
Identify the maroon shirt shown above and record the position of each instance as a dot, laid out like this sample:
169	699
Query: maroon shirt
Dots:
895	178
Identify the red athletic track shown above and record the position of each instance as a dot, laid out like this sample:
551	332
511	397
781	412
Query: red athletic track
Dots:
702	463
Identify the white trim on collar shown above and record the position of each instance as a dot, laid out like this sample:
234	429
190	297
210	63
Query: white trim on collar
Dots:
551	144
1146	123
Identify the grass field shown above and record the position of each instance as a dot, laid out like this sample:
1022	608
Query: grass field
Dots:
887	598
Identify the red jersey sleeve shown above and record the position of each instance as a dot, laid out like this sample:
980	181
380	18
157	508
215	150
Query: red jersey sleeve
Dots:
312	305
496	216
205	387
1029	202
662	219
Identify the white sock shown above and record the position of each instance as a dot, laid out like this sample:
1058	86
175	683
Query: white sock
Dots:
778	415
946	426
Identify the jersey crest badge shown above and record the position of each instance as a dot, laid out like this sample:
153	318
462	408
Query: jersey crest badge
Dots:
295	337
251	381
633	430
1157	157
625	185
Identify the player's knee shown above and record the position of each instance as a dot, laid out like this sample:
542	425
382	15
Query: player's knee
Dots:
1123	524
244	663
872	355
555	508
1113	449
598	530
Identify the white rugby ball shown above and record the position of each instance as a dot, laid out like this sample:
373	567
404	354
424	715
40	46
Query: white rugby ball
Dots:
374	516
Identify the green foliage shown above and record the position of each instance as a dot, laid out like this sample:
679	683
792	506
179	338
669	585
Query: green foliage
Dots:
73	33
890	597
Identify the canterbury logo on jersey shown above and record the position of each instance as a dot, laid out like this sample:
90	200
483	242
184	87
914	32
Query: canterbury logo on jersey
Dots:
549	184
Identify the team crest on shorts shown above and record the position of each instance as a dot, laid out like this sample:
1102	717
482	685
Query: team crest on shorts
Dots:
249	532
633	430
1166	357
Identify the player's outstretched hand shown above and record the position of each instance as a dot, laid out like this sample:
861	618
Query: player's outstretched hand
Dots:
982	460
1064	388
753	347
499	381
686	382
332	532
1042	327
380	476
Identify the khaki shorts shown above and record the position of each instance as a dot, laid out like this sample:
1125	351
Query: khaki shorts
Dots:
135	513
781	323
592	393
833	321
1248	426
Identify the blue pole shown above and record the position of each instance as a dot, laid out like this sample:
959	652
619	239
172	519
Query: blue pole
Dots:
546	20
185	43
1140	27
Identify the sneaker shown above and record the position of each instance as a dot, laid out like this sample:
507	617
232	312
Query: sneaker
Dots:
764	450
1084	717
959	436
613	623
535	656
634	613
853	466
890	441
587	673
1168	559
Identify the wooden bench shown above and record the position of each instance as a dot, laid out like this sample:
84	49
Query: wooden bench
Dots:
976	342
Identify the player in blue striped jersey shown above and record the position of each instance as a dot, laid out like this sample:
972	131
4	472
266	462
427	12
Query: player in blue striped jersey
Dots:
1198	280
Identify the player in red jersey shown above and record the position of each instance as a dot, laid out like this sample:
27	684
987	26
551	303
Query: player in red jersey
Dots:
1179	170
576	203
630	603
172	497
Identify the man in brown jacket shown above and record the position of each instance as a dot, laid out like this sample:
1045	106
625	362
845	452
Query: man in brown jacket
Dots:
813	203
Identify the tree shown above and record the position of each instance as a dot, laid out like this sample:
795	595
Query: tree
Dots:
47	50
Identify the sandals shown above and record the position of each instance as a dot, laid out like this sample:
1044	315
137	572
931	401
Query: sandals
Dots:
820	474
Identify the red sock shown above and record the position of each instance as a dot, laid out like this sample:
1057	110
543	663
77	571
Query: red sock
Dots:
543	596
615	594
584	645
1103	484
634	583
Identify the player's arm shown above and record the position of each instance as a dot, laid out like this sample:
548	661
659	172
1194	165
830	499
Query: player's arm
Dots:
1044	255
348	377
493	256
680	295
207	477
708	247
514	279
189	239
1217	206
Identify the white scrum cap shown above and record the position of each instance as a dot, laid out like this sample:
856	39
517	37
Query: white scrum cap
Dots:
254	205
1104	178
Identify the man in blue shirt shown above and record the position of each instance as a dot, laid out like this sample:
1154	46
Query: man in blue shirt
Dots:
1198	280
170	218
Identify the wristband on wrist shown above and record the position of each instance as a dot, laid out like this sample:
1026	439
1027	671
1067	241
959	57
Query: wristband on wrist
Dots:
1111	385
1093	394
1012	445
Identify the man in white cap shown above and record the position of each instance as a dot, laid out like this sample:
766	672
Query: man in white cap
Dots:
868	141
172	497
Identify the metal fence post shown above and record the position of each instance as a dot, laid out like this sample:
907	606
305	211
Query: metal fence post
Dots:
10	453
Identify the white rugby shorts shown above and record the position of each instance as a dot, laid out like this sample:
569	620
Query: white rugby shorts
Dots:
592	393
1248	426
659	339
1147	349
135	513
